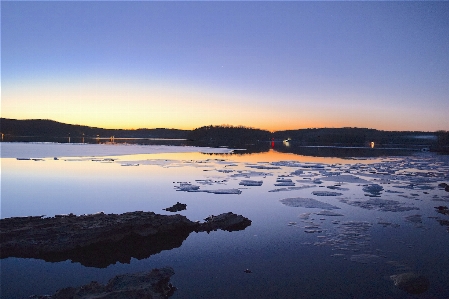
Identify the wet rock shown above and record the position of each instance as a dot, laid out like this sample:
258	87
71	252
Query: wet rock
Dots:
102	239
226	221
154	284
177	207
307	203
411	282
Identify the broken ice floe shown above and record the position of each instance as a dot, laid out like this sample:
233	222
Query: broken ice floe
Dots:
187	187
250	183
263	167
345	179
349	236
292	188
249	174
328	213
284	182
307	203
379	204
326	193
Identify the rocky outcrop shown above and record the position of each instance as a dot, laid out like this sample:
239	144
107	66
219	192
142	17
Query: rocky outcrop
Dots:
154	284
99	240
177	207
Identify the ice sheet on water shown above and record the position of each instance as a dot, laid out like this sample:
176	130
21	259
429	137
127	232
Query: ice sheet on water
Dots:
328	213
384	205
187	187
284	182
307	203
249	174
251	183
292	188
263	167
326	193
345	178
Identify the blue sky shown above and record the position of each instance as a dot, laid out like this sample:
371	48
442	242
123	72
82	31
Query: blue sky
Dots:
270	65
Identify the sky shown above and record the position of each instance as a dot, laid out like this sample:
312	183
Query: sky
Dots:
267	65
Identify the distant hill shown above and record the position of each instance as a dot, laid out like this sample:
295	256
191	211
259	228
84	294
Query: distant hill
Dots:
50	128
356	136
232	136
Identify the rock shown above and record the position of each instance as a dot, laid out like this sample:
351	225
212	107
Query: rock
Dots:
100	240
177	207
226	221
154	284
411	282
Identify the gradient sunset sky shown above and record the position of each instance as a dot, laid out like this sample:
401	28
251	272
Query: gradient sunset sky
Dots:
269	65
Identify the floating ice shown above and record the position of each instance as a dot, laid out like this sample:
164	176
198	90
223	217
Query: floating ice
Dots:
379	204
249	174
263	167
328	213
292	188
284	182
187	187
250	183
344	178
307	203
223	191
326	193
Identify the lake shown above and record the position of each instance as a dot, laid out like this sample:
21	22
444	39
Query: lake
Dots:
322	227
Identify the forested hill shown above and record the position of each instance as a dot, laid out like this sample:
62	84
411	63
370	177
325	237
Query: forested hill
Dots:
355	136
50	128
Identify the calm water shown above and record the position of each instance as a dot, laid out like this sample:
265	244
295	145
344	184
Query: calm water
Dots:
285	260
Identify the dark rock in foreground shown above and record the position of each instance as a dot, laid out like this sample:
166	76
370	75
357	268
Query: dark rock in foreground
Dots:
177	207
99	240
411	282
154	284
